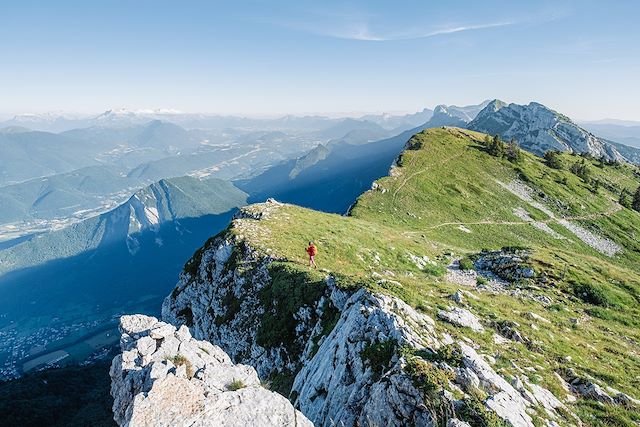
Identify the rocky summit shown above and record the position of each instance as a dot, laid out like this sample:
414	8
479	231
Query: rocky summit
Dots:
540	129
464	289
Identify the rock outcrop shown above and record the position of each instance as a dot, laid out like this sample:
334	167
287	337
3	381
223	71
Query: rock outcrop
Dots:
164	377
507	264
586	386
226	301
340	384
461	317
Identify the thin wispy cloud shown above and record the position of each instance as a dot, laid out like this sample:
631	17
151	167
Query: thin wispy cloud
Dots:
362	32
368	26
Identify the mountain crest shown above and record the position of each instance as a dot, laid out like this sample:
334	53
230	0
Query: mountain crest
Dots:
440	109
395	328
491	108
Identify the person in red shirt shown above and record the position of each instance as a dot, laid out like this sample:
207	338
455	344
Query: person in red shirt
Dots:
312	251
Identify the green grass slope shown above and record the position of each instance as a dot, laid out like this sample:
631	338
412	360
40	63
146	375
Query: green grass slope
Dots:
449	199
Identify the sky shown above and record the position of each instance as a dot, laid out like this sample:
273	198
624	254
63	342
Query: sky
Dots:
267	58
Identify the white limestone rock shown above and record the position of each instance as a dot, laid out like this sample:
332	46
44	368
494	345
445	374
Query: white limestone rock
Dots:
337	387
150	390
201	301
334	383
163	330
136	326
457	297
504	399
461	317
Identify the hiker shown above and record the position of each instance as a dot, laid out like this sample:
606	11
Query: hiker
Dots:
312	251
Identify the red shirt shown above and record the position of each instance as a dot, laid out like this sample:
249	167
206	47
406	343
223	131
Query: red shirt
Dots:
311	250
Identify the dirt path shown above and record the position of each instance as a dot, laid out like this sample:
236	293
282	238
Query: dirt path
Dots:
587	217
404	182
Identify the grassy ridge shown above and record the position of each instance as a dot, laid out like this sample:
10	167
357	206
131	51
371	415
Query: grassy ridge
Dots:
447	197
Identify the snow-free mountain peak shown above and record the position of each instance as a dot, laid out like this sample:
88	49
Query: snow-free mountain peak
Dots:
539	129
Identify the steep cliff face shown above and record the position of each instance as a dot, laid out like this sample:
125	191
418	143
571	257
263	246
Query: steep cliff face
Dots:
340	383
233	299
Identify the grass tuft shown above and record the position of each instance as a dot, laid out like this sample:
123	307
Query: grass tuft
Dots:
235	385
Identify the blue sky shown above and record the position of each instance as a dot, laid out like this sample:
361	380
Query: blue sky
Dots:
272	57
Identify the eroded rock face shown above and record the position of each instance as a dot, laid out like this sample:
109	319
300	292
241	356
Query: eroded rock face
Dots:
338	384
164	377
333	382
223	302
504	399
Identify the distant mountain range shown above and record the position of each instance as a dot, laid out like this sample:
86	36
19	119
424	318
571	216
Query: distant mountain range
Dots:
27	154
60	122
622	132
46	176
66	194
168	200
355	130
539	129
331	176
400	122
80	170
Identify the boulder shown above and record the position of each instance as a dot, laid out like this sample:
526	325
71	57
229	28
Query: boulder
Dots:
461	317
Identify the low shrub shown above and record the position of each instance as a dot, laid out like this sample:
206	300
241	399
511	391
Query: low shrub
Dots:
481	280
450	354
378	355
466	263
431	381
180	360
593	294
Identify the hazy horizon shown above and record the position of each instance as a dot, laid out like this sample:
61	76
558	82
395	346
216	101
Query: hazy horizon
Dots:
276	115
